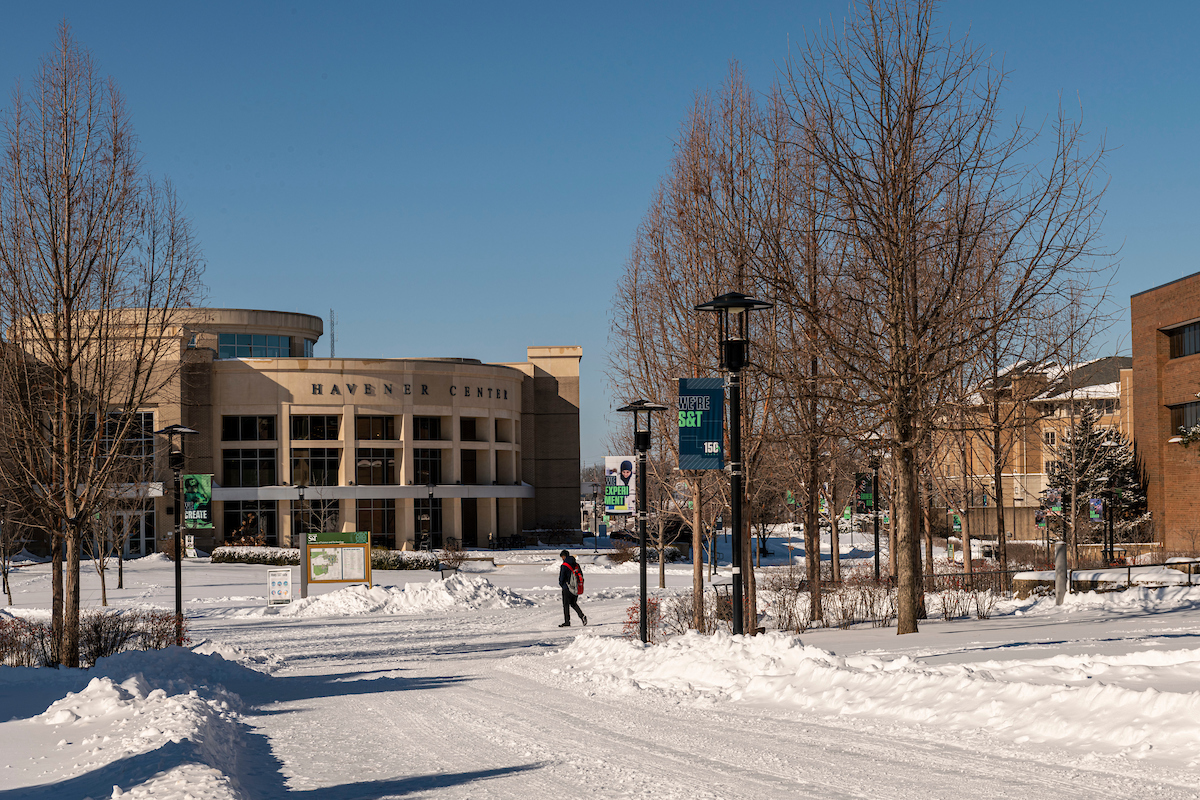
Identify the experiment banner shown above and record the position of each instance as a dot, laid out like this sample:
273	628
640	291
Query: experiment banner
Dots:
701	406
197	501
620	485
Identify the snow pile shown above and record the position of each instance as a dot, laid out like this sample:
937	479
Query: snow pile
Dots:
1139	599
174	731
1101	704
456	592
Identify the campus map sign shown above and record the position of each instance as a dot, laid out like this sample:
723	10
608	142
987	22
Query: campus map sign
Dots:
197	501
334	557
701	407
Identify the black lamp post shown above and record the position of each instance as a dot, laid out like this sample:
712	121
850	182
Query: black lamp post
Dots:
641	443
735	352
175	460
875	507
595	518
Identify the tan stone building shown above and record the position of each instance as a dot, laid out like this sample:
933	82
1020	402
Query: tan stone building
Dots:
415	450
1040	405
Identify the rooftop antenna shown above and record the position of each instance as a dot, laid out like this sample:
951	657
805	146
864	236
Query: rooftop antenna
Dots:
332	334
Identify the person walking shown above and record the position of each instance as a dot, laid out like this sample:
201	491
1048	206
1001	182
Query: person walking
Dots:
570	578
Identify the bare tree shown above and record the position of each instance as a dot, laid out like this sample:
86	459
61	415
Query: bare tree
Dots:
95	262
907	124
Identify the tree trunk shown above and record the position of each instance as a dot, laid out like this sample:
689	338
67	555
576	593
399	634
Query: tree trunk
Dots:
56	600
835	546
812	536
71	605
748	582
908	557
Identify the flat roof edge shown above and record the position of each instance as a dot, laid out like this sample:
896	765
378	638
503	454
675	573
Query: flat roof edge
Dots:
1163	286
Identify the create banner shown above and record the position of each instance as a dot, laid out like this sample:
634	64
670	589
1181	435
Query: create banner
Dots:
197	501
701	409
620	484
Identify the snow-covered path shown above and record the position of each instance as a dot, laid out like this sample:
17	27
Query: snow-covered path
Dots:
467	689
438	706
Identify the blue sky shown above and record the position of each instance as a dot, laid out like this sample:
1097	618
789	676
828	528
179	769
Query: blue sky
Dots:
465	179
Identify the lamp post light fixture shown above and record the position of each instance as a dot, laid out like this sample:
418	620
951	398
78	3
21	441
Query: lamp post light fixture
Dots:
641	443
735	352
176	461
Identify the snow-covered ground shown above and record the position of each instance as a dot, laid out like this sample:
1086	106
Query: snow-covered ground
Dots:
467	688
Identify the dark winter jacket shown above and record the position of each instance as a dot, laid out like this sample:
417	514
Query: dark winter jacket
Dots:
564	571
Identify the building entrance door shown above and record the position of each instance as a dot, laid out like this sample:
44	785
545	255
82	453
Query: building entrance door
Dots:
138	525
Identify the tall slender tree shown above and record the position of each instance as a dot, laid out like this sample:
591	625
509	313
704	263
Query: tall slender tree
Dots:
96	260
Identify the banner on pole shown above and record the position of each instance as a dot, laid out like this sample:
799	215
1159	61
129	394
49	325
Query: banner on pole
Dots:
197	501
701	418
620	484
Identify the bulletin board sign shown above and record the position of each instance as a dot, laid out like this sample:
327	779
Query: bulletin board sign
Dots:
337	557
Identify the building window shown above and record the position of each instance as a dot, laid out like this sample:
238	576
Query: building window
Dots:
1106	406
1185	340
1051	438
248	429
252	467
308	348
427	428
427	466
315	516
316	466
378	517
253	345
375	466
380	428
1053	467
316	427
1184	417
136	448
427	522
251	520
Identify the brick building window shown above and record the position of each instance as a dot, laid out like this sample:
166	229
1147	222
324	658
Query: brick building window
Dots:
1185	340
1184	416
1051	438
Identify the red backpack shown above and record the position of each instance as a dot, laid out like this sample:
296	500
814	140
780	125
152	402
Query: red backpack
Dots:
575	582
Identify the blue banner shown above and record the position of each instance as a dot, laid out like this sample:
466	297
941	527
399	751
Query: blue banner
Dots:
701	409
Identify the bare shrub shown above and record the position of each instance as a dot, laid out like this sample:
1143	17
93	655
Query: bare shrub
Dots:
633	618
623	553
452	555
954	603
102	633
985	603
786	599
677	616
18	642
105	633
157	629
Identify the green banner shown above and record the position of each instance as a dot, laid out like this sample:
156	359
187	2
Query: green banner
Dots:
197	501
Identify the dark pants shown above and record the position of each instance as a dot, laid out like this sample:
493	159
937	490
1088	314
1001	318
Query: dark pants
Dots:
570	601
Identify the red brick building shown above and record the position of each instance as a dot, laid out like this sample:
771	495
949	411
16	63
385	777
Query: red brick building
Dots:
1165	324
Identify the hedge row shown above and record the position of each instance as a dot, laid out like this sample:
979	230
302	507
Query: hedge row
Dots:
290	556
102	633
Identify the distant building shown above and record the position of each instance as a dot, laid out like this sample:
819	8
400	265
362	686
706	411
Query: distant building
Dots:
418	451
1041	403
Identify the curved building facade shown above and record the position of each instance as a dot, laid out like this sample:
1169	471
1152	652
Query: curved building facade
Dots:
418	451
